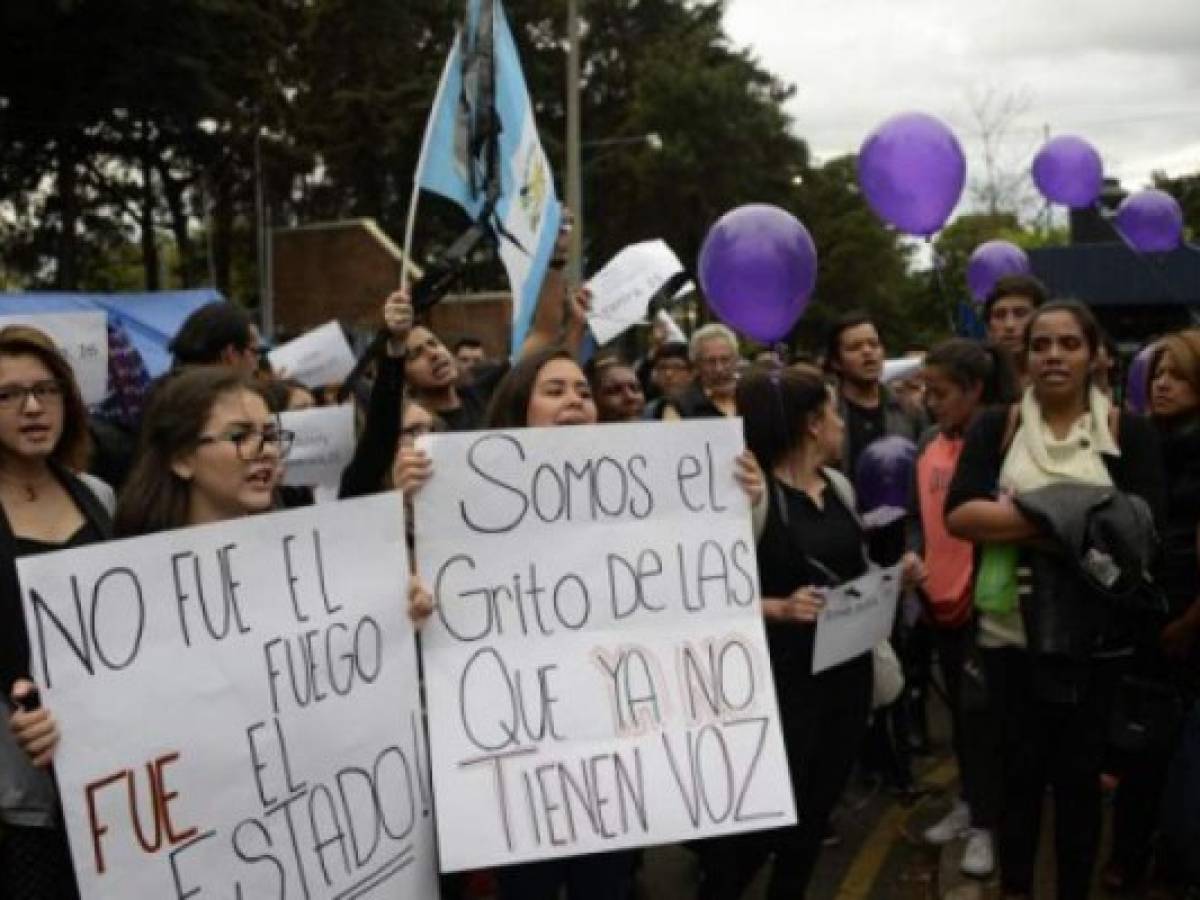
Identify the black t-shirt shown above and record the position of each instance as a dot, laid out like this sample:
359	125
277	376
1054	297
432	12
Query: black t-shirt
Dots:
797	532
87	533
474	399
865	426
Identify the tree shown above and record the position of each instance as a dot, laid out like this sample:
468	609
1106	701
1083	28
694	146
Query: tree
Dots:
105	143
1185	189
1004	186
863	265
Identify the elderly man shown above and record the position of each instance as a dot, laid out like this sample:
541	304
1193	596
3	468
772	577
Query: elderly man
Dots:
715	358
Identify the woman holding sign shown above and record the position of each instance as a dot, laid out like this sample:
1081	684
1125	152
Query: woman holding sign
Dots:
211	450
44	506
812	539
548	389
1054	703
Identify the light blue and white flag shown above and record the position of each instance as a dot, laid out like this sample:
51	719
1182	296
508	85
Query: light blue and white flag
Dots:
458	160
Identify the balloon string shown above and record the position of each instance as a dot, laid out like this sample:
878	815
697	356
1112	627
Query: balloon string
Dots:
1141	257
939	284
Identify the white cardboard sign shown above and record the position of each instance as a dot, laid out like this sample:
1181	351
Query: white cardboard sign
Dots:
622	290
323	446
239	708
83	339
318	358
857	616
596	668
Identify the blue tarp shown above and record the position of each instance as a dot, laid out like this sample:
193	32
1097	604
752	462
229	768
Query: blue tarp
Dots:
150	319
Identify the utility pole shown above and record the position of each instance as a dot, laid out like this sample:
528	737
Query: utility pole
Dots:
574	174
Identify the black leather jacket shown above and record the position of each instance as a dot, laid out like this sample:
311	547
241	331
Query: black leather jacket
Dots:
1093	587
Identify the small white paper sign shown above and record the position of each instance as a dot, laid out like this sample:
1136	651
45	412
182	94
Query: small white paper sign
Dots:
320	357
239	708
902	367
622	290
596	666
323	445
857	616
83	340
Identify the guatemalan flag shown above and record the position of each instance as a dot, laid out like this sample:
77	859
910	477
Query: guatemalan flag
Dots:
482	79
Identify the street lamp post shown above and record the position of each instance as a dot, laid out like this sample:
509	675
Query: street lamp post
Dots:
574	176
263	228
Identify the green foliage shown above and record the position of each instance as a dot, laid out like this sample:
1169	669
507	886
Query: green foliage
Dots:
862	263
1186	190
961	237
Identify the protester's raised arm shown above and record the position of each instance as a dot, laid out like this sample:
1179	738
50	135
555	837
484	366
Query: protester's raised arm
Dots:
376	446
551	315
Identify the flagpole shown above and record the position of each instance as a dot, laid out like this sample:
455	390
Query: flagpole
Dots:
574	186
409	226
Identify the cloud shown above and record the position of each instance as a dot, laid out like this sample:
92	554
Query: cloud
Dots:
1124	75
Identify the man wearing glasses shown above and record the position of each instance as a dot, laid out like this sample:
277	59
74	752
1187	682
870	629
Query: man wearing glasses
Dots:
715	357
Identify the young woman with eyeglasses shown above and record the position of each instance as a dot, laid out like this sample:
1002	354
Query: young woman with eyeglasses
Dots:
211	450
44	506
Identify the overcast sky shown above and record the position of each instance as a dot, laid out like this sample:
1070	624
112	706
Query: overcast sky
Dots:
1125	74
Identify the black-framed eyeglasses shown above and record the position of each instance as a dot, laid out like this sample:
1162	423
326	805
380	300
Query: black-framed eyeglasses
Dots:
250	442
16	396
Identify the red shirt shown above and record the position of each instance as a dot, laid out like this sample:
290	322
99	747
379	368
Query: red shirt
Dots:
949	562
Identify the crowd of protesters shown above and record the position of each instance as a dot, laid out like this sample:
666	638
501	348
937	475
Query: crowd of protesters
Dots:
1055	676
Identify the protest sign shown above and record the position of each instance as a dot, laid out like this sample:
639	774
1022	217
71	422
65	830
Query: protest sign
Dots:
239	708
323	446
83	339
904	367
596	665
622	290
857	616
319	357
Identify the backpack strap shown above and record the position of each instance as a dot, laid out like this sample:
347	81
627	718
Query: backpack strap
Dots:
1010	428
845	492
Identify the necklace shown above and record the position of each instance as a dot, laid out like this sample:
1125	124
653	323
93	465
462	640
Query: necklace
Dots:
30	489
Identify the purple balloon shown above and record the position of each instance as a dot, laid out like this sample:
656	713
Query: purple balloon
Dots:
992	261
883	479
1151	220
1068	170
758	268
912	170
1137	384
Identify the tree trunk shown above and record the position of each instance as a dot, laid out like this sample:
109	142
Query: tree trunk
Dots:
67	276
173	193
222	237
149	244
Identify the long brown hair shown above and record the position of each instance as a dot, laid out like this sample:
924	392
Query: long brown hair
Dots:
74	445
510	404
154	497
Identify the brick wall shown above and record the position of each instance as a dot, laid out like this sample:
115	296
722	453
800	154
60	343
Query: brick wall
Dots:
344	270
334	270
483	316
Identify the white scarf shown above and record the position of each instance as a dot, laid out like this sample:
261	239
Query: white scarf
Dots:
1038	458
